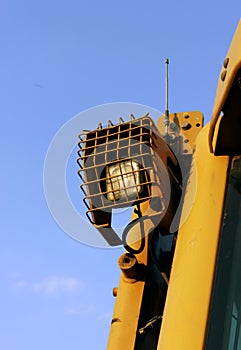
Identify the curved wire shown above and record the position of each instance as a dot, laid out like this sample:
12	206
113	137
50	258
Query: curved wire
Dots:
129	227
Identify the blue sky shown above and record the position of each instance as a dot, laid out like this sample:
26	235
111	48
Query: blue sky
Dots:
57	60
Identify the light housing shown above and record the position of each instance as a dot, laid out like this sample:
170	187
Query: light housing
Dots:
123	165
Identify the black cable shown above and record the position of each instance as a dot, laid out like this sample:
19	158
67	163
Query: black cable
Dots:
126	231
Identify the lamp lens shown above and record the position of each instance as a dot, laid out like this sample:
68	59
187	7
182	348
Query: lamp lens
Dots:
123	180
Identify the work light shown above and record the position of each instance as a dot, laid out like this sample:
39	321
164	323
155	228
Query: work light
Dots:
124	165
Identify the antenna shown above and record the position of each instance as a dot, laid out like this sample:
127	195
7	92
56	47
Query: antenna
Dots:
166	118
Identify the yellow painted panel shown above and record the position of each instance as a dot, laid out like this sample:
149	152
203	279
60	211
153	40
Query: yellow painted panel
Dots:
187	305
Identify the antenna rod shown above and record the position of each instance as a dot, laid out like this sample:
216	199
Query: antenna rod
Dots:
166	118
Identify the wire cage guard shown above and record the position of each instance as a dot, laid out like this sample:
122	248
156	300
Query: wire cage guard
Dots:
122	165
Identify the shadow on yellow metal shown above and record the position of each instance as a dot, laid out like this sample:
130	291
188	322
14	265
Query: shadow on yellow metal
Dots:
190	287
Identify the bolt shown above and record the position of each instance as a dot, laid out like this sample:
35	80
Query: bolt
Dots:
186	126
131	268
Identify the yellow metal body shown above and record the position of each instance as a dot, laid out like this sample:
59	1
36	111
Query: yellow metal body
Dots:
124	325
187	306
189	292
186	310
231	65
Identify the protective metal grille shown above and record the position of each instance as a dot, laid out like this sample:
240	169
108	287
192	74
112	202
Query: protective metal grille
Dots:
117	165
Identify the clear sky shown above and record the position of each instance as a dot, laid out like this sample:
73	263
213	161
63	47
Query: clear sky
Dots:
59	58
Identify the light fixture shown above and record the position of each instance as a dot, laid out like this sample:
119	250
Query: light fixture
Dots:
123	165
